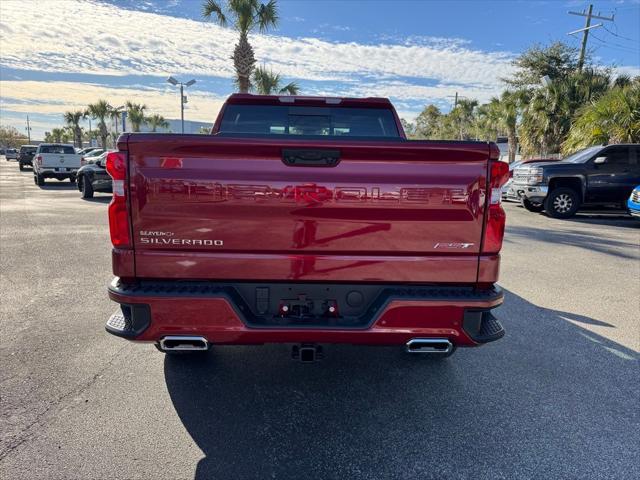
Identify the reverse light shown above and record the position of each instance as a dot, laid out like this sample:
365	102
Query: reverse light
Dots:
118	215
496	217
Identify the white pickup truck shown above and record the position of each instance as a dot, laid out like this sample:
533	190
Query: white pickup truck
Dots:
56	160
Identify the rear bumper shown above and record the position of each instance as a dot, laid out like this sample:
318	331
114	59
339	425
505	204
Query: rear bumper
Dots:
59	173
152	310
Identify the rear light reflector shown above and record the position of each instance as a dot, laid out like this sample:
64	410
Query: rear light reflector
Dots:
496	217
118	213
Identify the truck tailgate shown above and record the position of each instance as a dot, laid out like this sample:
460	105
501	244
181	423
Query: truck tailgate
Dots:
212	207
60	160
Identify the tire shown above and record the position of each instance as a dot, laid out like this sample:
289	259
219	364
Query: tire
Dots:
72	179
562	202
21	167
86	189
38	179
531	206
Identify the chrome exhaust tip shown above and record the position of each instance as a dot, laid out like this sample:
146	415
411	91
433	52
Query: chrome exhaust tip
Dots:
183	343
435	346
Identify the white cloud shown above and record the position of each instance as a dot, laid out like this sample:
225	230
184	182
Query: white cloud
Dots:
132	42
58	97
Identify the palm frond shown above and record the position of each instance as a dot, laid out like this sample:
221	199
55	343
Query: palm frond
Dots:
211	8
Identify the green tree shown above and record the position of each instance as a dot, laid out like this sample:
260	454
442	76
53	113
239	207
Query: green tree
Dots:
266	82
557	61
549	111
613	118
11	137
428	122
101	110
244	15
73	119
155	121
135	112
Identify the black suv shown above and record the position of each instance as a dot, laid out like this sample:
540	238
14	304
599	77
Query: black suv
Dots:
601	175
25	157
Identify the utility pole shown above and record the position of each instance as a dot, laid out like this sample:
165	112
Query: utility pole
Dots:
28	131
585	31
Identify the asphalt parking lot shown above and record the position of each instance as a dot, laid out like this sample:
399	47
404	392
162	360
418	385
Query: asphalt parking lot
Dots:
558	397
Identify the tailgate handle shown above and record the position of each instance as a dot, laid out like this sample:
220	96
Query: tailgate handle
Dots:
310	157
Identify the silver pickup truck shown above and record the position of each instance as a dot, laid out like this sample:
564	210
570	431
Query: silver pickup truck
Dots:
56	160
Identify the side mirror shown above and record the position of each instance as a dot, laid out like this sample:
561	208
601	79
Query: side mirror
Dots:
600	160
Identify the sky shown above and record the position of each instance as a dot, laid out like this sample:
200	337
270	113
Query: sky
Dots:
57	56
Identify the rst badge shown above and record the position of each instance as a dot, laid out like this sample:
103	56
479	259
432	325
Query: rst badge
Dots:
454	245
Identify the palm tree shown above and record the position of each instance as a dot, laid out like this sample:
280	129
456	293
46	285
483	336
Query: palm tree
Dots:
245	15
612	118
268	83
156	121
73	121
135	112
549	112
100	111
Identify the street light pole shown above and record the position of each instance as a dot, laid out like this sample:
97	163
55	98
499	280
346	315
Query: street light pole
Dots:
182	107
175	82
28	131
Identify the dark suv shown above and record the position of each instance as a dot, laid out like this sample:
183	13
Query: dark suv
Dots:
25	157
601	175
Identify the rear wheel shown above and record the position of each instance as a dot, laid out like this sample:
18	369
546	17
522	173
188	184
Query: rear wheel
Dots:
72	179
39	179
562	202
86	189
531	206
21	167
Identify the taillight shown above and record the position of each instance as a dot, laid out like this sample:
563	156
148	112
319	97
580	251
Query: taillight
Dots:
118	215
494	229
82	161
39	160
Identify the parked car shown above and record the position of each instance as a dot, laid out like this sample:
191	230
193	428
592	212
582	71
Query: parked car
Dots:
93	177
508	193
25	157
305	220
595	176
56	160
633	203
90	151
94	155
11	154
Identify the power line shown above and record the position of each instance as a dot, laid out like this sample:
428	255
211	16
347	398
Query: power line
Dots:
608	44
621	36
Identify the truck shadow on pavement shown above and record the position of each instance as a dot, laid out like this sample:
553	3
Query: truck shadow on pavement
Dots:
598	242
549	400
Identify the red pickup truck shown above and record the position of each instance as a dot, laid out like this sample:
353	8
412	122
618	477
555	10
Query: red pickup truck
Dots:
308	221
